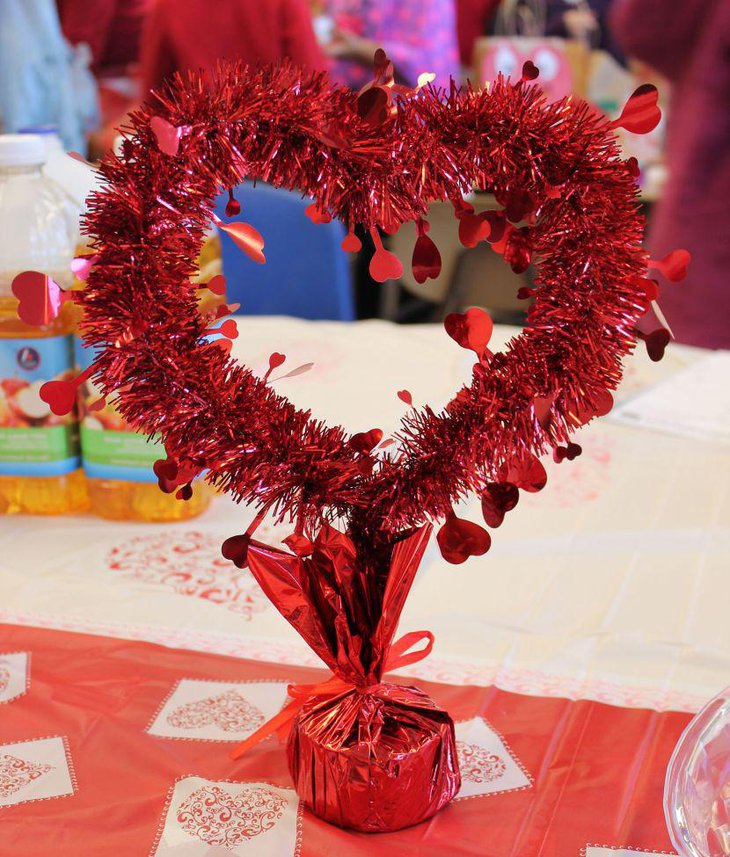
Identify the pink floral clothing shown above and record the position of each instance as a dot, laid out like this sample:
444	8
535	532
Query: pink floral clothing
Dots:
418	36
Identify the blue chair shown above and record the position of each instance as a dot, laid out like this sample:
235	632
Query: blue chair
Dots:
306	274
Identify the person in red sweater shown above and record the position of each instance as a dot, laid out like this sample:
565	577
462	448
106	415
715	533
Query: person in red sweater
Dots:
181	35
689	43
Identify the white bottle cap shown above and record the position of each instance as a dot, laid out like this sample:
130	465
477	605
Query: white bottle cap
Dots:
21	150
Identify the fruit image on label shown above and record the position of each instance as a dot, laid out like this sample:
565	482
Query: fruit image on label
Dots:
34	441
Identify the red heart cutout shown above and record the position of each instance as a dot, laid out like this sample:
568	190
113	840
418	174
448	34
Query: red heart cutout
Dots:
217	285
526	472
641	113
366	441
167	135
373	106
229	328
543	407
276	360
317	214
385	266
530	71
498	499
656	342
473	228
674	265
458	539
60	396
471	329
405	396
233	207
426	262
247	239
299	545
235	549
184	493
351	243
39	298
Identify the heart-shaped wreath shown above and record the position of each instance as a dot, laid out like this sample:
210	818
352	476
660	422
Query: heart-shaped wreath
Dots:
375	158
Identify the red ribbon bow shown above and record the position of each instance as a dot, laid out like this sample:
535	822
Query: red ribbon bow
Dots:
399	656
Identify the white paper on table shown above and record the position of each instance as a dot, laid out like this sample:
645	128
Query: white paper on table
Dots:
693	403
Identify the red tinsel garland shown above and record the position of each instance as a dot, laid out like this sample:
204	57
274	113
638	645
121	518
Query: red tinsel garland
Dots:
554	166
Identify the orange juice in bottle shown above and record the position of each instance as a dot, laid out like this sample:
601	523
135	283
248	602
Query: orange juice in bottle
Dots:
39	455
117	461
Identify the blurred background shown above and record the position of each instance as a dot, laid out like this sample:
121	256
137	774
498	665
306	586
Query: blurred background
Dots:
75	68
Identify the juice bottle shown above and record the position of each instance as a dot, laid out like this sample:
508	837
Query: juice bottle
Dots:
117	461
39	454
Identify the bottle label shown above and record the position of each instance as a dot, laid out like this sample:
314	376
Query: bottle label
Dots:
34	441
110	448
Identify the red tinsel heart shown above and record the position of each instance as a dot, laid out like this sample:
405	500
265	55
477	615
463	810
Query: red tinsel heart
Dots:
400	155
473	228
247	238
530	71
674	265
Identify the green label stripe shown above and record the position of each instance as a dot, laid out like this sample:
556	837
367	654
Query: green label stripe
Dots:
37	445
119	448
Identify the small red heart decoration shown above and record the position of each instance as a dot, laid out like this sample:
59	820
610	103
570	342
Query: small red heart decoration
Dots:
235	549
471	329
167	135
373	106
185	493
60	396
39	298
351	243
366	441
276	360
385	266
526	472
543	406
458	539
530	71
473	228
641	113
233	207
498	499
405	396
317	214
674	265
656	342
247	239
426	262
217	285
299	545
229	328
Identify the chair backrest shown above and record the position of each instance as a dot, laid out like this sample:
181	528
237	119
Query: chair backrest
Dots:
306	274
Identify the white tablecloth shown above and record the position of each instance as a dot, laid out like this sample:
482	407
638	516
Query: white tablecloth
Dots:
610	584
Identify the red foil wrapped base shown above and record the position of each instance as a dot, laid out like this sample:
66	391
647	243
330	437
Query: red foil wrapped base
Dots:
374	759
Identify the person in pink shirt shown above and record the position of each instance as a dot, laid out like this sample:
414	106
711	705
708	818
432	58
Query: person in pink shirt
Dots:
417	35
688	41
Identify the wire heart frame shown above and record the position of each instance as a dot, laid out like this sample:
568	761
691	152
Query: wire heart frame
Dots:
377	158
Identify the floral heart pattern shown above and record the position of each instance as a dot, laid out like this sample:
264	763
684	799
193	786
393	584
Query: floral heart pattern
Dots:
217	817
16	773
228	711
189	563
477	765
4	679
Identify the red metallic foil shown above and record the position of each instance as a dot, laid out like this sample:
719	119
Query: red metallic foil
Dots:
369	755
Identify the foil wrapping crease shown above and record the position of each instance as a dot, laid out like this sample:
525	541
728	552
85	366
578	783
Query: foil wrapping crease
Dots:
368	755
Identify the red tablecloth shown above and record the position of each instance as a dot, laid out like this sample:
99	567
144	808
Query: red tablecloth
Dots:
109	746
